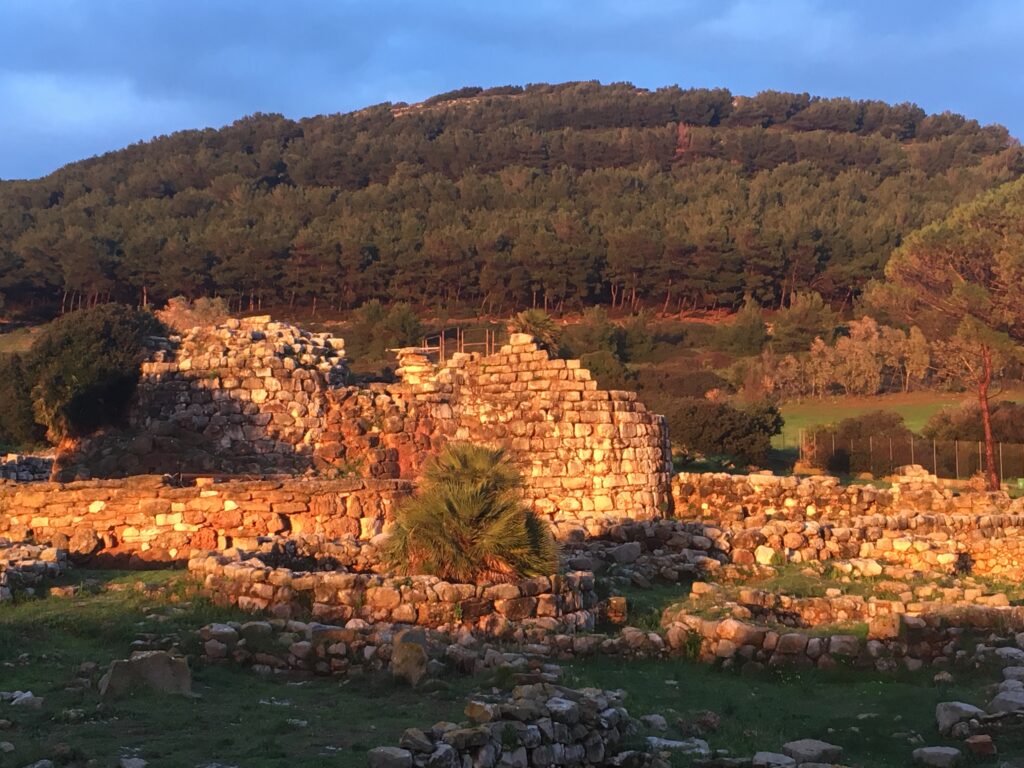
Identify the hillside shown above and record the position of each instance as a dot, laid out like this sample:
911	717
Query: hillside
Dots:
556	195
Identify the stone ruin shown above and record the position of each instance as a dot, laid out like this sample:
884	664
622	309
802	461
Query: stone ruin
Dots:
255	397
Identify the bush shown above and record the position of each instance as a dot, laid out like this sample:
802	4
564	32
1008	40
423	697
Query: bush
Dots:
850	445
85	368
596	333
747	335
377	329
181	314
720	429
964	423
806	318
659	385
18	427
468	522
541	326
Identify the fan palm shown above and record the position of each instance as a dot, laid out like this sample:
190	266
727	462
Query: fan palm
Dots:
468	522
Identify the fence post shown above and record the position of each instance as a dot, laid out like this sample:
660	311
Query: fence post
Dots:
891	467
935	460
1000	463
981	466
871	454
912	449
956	457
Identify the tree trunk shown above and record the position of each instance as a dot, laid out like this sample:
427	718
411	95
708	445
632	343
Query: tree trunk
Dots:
986	419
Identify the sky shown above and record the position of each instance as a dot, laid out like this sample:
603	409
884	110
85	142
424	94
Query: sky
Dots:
83	77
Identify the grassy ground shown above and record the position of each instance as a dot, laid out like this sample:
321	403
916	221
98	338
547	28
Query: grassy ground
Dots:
243	719
872	717
19	340
915	408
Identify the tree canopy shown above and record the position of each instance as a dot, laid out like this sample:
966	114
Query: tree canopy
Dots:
962	280
558	196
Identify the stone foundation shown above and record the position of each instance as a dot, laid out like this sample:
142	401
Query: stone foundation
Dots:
26	567
538	726
25	469
260	582
916	524
153	520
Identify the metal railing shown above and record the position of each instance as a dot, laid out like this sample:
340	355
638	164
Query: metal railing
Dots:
450	341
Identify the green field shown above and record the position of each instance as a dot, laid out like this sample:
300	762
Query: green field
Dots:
915	408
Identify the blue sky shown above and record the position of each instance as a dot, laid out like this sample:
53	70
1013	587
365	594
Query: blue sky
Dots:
81	77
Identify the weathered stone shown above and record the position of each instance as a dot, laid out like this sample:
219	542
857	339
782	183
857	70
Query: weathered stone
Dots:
155	670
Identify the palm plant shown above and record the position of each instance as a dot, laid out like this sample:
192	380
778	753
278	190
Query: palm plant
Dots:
468	522
540	325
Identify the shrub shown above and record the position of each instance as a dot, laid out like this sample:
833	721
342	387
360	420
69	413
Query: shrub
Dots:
541	326
806	318
964	423
608	370
850	445
595	333
720	429
18	427
376	329
468	522
85	368
658	385
746	335
181	314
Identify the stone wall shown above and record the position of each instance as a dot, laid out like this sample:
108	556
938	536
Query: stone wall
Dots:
25	567
257	397
257	582
25	469
244	397
585	452
536	726
916	523
151	519
893	641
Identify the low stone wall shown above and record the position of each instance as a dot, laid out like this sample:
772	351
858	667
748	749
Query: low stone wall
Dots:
25	567
556	603
25	469
546	603
893	641
539	725
153	520
916	524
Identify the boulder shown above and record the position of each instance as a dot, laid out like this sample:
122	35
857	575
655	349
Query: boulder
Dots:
409	657
626	553
772	760
695	747
949	713
937	757
1006	701
389	757
812	751
155	670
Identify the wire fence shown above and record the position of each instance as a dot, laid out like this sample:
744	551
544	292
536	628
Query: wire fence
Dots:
880	455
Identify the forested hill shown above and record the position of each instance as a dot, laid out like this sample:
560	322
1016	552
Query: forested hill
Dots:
559	195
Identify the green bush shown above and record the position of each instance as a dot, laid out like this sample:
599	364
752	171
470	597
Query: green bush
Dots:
806	318
719	429
18	427
468	522
376	329
964	423
746	335
85	368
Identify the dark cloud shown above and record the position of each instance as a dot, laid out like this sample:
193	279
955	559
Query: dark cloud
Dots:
80	77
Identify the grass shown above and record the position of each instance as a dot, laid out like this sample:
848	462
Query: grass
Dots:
43	643
915	408
19	340
764	711
243	719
